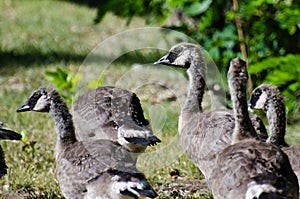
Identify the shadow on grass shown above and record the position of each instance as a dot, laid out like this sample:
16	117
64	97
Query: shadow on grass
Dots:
38	59
35	58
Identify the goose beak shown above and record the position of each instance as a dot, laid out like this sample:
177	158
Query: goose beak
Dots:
24	107
9	135
164	60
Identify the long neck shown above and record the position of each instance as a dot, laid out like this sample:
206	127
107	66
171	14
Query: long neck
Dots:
277	120
243	127
196	74
63	121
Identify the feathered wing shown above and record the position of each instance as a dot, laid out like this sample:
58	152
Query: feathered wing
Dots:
88	161
93	117
253	169
102	112
205	135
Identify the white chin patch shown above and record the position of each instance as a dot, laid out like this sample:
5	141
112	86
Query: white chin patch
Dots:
40	104
129	185
260	104
255	190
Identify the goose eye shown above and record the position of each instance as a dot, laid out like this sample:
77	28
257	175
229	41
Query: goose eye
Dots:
257	93
115	125
171	57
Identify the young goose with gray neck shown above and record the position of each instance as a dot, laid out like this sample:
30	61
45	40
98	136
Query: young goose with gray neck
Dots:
267	97
115	114
6	134
203	134
88	169
249	168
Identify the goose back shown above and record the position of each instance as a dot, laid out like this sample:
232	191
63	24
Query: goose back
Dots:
252	169
115	114
84	166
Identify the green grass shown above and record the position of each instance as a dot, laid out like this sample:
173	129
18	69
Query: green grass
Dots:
38	36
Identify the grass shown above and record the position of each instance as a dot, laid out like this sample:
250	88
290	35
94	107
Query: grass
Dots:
39	36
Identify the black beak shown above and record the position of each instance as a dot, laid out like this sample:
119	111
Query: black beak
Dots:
9	135
25	107
164	60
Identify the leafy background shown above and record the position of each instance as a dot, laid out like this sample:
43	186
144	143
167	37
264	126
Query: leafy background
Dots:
271	33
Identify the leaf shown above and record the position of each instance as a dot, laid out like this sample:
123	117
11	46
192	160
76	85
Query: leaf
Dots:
74	81
279	77
294	87
197	8
59	78
93	84
269	63
24	136
286	63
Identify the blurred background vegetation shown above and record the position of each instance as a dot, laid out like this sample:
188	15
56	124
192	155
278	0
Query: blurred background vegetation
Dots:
270	32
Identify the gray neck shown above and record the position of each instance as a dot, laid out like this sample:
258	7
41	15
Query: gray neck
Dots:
196	73
243	127
277	120
63	121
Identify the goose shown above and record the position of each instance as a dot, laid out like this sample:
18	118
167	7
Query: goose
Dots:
6	134
202	134
115	114
249	168
88	169
267	97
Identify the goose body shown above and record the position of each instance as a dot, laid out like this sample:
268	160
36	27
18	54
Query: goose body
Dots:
249	168
267	97
115	114
203	134
88	169
6	134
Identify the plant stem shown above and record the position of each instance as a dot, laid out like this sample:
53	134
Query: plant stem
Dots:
241	39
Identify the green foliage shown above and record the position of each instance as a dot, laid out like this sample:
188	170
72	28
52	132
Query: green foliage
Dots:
152	10
28	146
93	84
271	29
284	72
64	81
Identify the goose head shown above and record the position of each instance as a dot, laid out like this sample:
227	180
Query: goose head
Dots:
237	75
180	55
39	101
261	95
